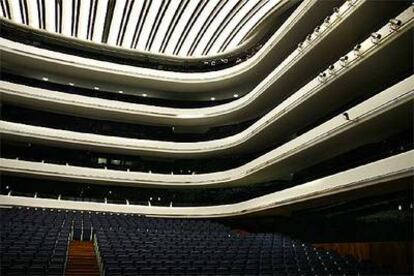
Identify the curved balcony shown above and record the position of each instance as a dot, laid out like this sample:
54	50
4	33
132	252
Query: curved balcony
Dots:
393	46
386	174
368	121
267	131
314	54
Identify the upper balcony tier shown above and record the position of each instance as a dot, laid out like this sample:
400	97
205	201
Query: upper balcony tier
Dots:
337	34
369	121
390	45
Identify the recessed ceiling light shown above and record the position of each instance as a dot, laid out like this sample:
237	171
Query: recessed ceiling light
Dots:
45	79
236	95
120	91
71	84
96	88
144	95
212	98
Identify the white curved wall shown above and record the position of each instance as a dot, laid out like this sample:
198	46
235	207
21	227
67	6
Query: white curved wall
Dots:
269	166
382	171
249	138
123	76
221	114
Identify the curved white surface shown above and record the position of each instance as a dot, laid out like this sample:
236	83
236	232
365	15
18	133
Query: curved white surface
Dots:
392	168
208	116
175	82
155	27
301	151
251	137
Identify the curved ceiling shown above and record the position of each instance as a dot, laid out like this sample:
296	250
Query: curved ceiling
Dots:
186	28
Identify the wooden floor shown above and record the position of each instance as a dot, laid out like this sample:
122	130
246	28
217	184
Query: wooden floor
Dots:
82	259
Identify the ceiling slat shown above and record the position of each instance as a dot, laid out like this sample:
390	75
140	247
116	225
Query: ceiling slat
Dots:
148	24
214	19
172	18
251	23
50	9
100	20
188	25
15	13
83	19
242	22
66	17
33	14
116	21
132	23
219	30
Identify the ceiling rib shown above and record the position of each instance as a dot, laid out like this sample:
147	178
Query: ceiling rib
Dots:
128	37
206	25
189	25
99	20
156	25
173	24
234	32
142	17
223	25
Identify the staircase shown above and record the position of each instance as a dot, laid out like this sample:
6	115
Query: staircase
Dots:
82	259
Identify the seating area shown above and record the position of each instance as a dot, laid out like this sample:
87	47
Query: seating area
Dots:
35	242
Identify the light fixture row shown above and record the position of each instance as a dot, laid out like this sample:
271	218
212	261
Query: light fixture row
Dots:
121	91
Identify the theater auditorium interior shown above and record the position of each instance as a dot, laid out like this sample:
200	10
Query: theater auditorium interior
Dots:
206	137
